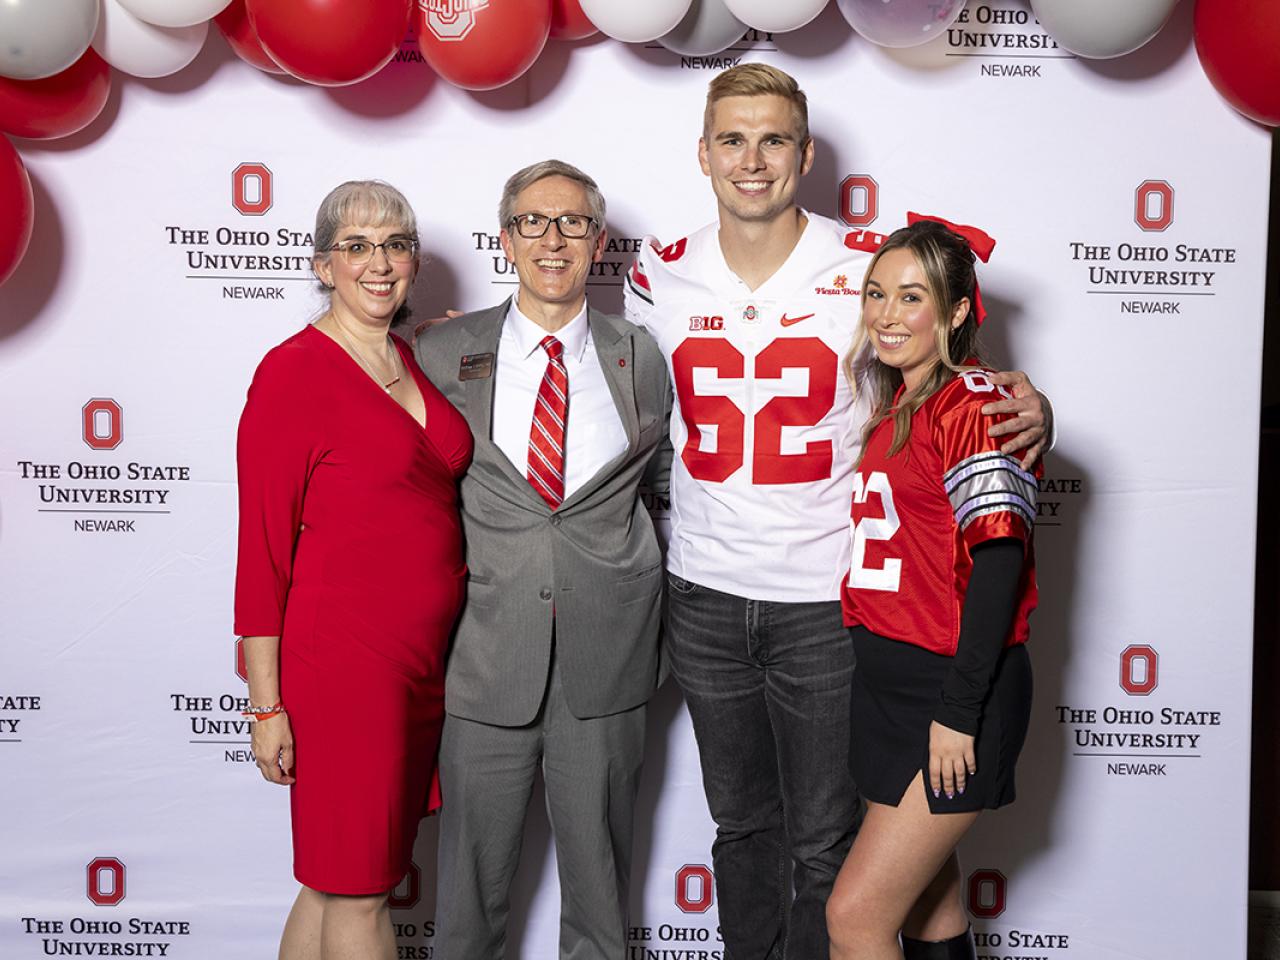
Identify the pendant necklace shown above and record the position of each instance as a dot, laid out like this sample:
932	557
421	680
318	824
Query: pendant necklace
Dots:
395	359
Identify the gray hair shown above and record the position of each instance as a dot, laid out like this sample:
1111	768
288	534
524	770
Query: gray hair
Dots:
540	171
372	203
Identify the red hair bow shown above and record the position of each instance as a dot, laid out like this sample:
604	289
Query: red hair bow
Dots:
979	241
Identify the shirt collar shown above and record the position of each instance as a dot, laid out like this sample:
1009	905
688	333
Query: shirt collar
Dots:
527	335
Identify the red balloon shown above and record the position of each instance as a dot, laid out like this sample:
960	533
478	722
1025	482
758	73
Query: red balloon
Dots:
1239	46
483	47
17	209
234	23
568	22
56	106
330	42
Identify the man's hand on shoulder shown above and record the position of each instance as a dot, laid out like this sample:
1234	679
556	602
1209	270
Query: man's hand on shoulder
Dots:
423	325
1030	417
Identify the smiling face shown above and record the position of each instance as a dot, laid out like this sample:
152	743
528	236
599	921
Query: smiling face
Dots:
753	154
373	292
901	314
553	270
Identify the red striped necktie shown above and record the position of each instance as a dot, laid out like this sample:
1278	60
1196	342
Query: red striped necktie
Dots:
546	436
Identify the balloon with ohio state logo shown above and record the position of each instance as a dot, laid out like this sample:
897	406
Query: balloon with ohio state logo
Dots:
17	209
331	43
486	44
1102	29
568	22
900	23
1239	46
234	24
56	106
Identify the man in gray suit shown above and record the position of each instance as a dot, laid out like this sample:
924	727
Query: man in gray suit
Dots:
556	652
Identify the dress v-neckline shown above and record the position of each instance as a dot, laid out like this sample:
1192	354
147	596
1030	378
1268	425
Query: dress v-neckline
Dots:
409	365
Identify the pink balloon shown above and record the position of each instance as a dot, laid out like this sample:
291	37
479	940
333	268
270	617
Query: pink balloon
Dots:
17	210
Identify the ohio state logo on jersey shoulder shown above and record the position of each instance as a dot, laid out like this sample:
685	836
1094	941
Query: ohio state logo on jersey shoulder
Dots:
675	251
451	19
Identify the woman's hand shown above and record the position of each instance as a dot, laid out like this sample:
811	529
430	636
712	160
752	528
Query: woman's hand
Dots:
951	760
273	748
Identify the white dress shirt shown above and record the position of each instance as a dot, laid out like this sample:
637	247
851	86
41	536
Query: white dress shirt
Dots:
594	432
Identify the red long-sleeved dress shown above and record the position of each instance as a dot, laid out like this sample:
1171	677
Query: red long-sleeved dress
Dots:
350	550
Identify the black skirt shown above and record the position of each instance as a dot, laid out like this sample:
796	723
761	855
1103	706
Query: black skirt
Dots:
896	691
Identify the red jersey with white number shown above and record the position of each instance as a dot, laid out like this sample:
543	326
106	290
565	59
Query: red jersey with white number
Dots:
764	426
918	515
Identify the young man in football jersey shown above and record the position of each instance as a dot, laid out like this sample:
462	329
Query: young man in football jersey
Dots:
754	314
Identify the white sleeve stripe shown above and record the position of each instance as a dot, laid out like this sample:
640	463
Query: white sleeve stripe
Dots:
994	460
996	503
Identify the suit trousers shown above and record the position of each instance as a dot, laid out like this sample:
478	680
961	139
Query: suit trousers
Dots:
590	770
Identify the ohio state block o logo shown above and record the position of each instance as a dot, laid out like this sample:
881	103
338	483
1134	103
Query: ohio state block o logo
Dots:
695	888
987	894
242	671
408	891
451	19
1139	669
251	189
104	881
859	201
102	423
1153	206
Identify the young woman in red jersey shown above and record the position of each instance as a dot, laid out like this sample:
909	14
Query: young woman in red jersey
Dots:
937	598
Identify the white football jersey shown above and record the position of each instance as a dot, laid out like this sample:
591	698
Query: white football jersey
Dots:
764	425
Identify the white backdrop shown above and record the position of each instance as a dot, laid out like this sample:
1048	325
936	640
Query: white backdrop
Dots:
1130	207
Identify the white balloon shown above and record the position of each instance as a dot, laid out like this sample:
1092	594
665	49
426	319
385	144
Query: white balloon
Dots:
1102	29
635	21
141	49
707	28
39	38
900	23
175	13
775	16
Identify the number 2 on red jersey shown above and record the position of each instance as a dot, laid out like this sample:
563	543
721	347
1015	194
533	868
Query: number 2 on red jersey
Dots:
769	465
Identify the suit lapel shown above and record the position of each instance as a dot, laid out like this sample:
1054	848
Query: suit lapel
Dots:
615	351
486	331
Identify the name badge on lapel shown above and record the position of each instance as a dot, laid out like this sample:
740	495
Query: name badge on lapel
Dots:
476	366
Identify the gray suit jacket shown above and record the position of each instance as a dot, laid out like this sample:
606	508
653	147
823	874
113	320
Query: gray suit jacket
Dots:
595	560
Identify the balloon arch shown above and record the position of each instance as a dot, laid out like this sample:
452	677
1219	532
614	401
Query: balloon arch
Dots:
57	56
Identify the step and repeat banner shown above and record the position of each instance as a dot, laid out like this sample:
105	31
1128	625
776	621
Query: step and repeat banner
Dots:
171	251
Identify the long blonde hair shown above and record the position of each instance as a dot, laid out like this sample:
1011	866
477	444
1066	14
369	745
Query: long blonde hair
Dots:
947	262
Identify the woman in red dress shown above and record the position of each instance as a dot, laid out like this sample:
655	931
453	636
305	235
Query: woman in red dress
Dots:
350	576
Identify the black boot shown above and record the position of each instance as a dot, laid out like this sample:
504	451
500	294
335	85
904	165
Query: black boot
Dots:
957	948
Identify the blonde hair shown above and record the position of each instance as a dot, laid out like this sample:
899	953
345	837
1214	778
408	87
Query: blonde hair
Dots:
758	80
946	259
